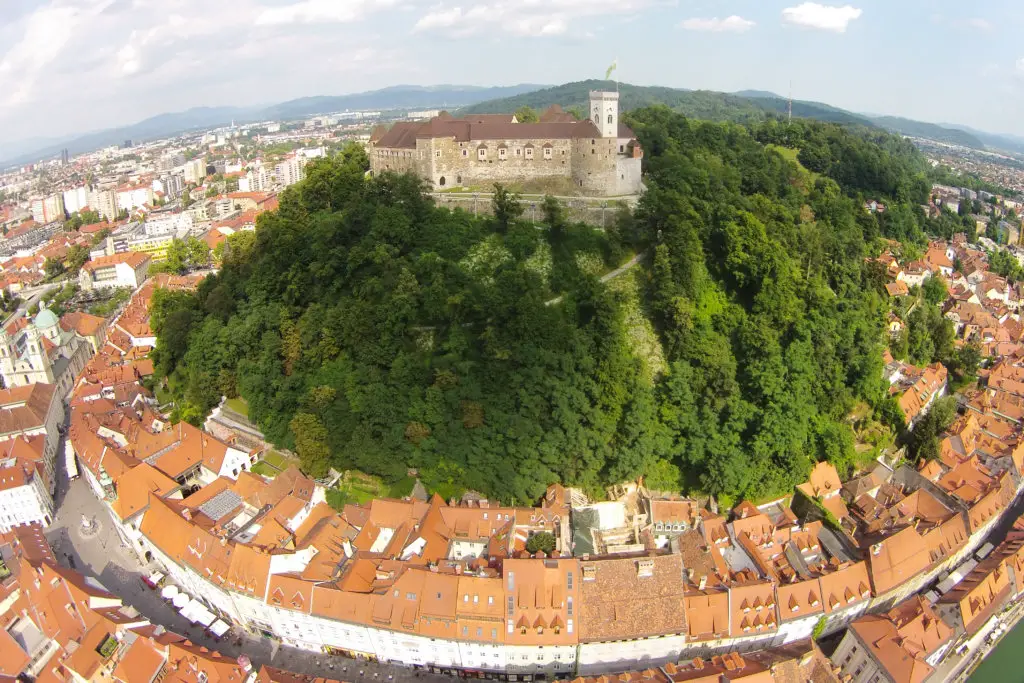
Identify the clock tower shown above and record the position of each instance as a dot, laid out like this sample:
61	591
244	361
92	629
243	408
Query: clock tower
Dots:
604	112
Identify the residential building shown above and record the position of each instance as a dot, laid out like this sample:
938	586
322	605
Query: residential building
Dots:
104	202
901	646
25	490
131	197
255	180
76	199
118	270
195	171
48	209
290	171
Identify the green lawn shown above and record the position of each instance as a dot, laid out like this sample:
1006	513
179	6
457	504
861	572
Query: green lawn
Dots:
239	406
790	154
277	459
265	470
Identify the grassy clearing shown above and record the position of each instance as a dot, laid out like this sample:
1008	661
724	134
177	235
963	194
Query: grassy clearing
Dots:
266	470
791	154
238	405
278	459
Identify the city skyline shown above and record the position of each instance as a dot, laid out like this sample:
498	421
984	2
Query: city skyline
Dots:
71	67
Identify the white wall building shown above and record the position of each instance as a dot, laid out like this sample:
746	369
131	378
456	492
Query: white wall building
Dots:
76	199
24	497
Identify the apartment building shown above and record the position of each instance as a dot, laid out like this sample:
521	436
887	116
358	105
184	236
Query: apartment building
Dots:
48	209
290	171
195	171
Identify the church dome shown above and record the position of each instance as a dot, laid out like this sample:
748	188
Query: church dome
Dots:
44	319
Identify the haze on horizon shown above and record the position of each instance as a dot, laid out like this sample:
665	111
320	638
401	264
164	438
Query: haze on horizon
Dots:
71	66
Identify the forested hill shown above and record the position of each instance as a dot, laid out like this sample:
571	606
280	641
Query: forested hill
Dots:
748	107
369	329
931	131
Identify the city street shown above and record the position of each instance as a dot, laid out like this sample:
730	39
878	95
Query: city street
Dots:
99	553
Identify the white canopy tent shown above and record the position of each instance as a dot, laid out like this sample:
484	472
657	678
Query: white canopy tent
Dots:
218	628
196	612
169	592
181	599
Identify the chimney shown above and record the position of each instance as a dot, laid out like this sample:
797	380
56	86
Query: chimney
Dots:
698	663
703	582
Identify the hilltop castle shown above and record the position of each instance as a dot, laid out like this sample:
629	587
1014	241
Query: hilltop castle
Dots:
600	155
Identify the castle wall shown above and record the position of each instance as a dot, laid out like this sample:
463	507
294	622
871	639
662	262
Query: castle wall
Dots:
455	164
595	165
395	160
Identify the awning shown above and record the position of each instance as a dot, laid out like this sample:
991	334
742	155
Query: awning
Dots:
196	612
155	580
70	463
181	599
169	592
219	628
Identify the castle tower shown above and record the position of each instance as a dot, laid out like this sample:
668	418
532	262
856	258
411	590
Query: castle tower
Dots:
604	112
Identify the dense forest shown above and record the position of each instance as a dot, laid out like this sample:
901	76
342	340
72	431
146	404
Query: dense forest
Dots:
368	329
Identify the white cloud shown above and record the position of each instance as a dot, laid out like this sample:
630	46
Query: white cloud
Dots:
520	17
1020	65
45	33
128	58
733	24
309	11
980	24
821	17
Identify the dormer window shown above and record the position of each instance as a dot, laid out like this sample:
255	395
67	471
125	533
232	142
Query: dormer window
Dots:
502	152
481	153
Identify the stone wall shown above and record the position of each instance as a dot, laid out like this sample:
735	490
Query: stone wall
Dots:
395	160
459	164
594	211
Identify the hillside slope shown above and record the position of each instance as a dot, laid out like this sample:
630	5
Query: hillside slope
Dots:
369	329
744	107
931	131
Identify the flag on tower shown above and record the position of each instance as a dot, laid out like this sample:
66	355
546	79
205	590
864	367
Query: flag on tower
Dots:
613	67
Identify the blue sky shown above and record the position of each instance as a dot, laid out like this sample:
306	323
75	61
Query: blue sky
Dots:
70	66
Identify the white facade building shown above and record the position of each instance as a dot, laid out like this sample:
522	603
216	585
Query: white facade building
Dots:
76	199
24	497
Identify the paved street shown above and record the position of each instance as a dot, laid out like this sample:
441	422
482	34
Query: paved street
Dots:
101	554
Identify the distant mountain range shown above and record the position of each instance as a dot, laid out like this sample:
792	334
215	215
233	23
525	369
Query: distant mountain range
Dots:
744	107
201	118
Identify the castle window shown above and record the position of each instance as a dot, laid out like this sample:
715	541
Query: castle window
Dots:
529	152
610	119
501	153
481	153
441	181
622	148
519	152
547	152
437	154
465	152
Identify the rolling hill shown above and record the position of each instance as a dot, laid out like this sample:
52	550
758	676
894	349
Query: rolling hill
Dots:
920	129
741	107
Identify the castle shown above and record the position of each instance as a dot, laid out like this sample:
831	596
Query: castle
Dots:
600	155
